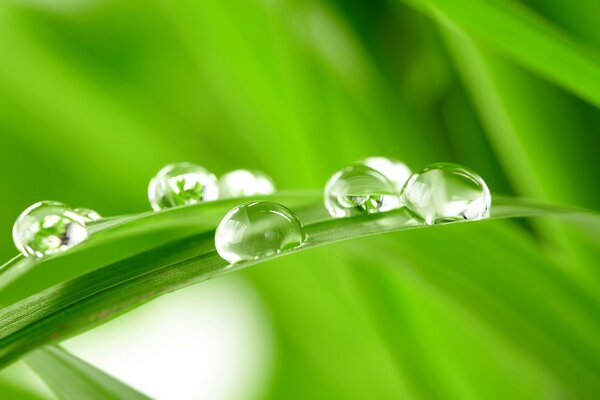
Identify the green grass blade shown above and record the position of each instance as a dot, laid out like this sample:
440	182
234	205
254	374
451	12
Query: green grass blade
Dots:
92	292
71	378
128	235
525	38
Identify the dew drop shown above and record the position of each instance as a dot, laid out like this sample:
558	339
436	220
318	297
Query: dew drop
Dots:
244	183
257	229
182	184
446	192
88	214
48	227
395	170
358	189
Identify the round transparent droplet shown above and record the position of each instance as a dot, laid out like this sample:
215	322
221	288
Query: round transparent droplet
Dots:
395	170
48	227
88	214
358	189
181	184
244	183
447	192
257	229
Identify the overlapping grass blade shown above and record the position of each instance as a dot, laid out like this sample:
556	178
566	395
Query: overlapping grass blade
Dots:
71	378
524	37
531	307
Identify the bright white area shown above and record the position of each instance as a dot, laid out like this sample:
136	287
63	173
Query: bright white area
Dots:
211	341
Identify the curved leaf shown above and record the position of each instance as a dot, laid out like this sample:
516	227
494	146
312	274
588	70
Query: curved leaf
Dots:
47	300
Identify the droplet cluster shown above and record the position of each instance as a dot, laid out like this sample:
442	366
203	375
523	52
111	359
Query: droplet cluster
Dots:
438	193
180	184
50	227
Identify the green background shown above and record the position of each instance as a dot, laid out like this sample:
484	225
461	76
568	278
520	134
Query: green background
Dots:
97	95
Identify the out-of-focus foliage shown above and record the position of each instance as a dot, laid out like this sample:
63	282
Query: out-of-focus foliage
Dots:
97	95
72	378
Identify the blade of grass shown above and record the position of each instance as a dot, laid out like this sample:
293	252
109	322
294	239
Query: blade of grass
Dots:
525	38
71	378
128	235
69	306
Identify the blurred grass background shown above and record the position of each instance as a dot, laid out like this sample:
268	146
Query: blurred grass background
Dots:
97	95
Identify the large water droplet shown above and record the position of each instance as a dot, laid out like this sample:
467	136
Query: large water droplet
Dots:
88	214
257	229
243	183
395	170
48	227
446	192
181	184
358	189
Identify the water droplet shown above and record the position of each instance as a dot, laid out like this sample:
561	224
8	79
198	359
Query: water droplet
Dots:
48	227
395	170
257	229
243	183
358	189
88	214
181	184
445	192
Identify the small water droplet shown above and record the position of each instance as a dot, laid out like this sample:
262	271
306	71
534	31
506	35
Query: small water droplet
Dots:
181	184
257	229
244	183
88	214
48	227
395	170
446	192
358	189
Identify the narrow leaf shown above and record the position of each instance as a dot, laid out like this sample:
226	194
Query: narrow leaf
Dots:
72	378
524	37
71	304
